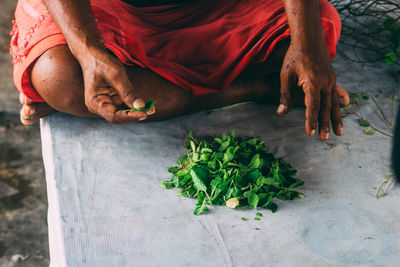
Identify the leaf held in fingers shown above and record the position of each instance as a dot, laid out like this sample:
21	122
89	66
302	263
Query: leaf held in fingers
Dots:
148	105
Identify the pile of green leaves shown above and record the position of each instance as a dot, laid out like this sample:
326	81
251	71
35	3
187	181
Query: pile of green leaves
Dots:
232	168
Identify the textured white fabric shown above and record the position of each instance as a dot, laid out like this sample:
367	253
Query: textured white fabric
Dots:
106	207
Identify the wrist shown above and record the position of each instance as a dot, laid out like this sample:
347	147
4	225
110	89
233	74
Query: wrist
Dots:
84	49
311	42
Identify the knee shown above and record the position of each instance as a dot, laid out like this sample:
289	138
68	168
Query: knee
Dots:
332	25
57	78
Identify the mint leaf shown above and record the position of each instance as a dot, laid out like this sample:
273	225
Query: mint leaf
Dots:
167	185
252	198
369	132
200	209
197	182
390	58
363	123
255	162
148	105
234	172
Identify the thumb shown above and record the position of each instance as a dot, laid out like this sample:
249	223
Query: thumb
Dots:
285	99
125	90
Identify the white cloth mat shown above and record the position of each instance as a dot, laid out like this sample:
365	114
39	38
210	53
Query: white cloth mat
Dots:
107	208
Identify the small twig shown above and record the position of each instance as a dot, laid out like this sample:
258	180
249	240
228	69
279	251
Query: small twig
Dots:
390	179
382	113
379	131
360	117
359	110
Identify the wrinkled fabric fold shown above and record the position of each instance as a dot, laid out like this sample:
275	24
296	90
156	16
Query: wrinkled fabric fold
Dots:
201	45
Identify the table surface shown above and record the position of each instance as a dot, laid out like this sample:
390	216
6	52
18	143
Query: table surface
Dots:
107	208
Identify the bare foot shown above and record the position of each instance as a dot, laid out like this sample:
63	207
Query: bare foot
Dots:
31	111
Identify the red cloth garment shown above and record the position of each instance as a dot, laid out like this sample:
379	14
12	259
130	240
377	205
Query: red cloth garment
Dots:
199	45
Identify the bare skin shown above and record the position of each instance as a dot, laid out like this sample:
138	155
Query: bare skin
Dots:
98	84
65	93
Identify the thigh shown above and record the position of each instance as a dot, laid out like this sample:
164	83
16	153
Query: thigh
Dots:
57	77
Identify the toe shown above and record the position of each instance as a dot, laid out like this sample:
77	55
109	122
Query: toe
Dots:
344	97
25	115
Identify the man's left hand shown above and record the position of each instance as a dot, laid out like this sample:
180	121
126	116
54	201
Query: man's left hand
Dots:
310	69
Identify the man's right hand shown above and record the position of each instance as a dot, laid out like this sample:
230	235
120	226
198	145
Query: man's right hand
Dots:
106	83
107	87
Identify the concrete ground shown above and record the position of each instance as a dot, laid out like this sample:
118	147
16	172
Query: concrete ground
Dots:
23	201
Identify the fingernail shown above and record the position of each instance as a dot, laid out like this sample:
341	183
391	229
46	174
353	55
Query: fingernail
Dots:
139	103
312	132
151	111
281	109
142	119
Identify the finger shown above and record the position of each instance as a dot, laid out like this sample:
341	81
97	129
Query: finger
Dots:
139	103
325	114
116	99
151	111
124	87
336	116
285	99
104	106
312	103
121	116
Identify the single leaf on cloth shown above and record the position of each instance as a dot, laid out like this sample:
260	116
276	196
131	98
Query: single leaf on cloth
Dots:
369	132
363	123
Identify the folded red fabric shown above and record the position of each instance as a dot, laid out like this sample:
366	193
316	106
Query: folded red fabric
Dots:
199	45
